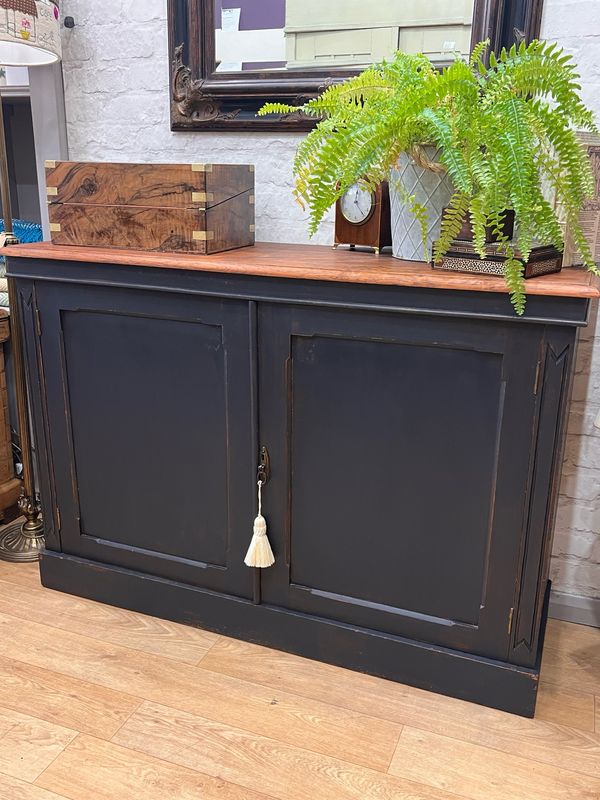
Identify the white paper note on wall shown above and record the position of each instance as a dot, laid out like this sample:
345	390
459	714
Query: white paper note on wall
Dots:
249	46
230	19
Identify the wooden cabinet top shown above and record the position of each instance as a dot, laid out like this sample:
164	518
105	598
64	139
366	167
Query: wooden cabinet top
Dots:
314	262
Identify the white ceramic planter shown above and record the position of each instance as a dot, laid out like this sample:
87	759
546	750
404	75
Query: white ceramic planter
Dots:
433	190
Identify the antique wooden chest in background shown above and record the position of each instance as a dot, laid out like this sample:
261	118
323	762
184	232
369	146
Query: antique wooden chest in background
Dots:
192	208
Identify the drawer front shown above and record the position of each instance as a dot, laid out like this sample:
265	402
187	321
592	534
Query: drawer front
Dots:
400	449
149	404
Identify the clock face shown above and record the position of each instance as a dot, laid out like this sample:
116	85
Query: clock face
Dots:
357	204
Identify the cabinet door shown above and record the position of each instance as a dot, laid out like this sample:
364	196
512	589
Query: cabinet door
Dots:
400	453
150	409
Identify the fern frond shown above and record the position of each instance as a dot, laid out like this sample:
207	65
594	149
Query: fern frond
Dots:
452	222
478	52
278	108
513	271
505	132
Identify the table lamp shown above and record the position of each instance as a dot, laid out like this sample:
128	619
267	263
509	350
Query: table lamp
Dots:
29	37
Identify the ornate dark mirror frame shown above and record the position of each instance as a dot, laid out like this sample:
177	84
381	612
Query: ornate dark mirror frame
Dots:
202	99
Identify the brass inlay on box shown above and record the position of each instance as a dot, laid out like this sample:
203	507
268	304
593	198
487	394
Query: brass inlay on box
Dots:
252	228
202	197
202	167
55	227
50	164
251	199
52	191
203	236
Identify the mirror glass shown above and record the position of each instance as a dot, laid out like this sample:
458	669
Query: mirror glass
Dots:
303	34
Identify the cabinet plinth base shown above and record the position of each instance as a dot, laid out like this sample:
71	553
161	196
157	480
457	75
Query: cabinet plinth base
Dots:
497	684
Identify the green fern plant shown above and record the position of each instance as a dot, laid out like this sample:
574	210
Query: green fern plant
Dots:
505	130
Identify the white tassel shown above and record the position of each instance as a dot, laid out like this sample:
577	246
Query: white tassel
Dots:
259	553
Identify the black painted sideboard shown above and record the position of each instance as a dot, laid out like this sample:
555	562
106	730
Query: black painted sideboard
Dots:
414	428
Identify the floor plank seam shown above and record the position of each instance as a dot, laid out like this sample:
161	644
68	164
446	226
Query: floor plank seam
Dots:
9	729
203	656
283	742
382	717
217	719
394	750
567	686
11	778
122	725
169	762
106	641
305	696
166	760
26	664
508	754
47	767
550	753
58	755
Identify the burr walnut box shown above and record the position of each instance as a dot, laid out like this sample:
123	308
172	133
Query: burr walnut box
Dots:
191	208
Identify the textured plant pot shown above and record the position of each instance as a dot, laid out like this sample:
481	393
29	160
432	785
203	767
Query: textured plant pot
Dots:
433	190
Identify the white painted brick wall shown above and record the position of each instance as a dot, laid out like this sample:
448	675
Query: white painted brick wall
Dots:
116	84
575	24
117	103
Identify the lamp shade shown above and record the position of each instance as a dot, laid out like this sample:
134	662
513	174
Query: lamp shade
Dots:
29	32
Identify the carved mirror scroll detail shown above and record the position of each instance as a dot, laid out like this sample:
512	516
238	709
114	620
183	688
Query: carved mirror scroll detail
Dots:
228	57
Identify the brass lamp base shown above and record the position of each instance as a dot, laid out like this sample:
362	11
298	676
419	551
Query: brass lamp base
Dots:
22	543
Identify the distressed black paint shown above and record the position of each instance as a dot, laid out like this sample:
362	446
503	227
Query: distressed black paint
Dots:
414	436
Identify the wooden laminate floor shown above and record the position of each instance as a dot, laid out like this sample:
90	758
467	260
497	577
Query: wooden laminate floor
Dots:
98	703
